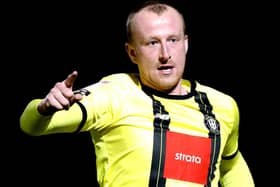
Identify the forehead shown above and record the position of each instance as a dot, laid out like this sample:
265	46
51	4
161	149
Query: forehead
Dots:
147	13
146	19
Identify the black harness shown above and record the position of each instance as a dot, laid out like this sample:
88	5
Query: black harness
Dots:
161	126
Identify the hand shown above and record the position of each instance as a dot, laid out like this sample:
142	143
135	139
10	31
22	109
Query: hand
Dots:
60	97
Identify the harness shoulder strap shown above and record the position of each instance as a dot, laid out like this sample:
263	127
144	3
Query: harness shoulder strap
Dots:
213	126
161	126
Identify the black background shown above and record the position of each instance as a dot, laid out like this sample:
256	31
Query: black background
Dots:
45	41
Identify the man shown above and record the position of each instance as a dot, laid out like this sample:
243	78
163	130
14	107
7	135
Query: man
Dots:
153	128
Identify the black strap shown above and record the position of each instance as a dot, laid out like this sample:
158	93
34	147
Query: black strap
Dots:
230	156
83	92
214	132
161	125
84	117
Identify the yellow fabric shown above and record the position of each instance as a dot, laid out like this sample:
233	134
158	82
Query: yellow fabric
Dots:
120	120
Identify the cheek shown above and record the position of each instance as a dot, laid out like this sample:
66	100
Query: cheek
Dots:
181	66
145	67
146	61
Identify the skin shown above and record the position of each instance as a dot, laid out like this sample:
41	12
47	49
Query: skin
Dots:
60	96
159	48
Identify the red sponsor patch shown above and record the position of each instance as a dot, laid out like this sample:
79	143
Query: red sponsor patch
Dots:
187	157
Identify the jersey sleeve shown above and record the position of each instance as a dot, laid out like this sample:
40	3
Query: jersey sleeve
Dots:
33	123
231	146
235	172
234	169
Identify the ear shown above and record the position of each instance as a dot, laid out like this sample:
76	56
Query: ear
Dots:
186	44
131	51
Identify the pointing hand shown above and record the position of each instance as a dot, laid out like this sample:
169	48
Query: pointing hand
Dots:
60	97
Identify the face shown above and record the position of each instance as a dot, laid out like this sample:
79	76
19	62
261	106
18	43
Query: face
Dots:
159	49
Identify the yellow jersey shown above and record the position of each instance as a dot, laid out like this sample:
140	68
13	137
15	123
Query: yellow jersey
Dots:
143	137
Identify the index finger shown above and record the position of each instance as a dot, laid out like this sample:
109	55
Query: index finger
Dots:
69	81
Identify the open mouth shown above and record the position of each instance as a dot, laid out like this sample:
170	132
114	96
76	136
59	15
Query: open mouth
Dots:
165	69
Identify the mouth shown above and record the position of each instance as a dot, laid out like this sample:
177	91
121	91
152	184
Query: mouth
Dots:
166	69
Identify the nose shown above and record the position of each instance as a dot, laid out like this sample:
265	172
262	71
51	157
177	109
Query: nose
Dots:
164	55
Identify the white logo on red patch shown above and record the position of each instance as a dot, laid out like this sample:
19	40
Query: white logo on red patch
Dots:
187	157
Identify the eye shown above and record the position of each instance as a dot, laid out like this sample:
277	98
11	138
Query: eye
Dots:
152	43
172	40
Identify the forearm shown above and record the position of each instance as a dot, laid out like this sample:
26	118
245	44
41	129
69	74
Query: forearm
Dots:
35	124
238	175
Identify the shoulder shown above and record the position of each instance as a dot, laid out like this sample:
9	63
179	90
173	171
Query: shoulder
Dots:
116	82
121	77
212	92
224	105
218	98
